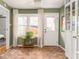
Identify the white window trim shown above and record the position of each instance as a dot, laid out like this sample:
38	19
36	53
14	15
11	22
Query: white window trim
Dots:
28	17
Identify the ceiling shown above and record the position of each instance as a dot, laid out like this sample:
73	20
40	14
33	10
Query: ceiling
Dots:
34	4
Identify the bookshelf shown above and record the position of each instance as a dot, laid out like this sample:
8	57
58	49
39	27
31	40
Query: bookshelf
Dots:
67	17
72	28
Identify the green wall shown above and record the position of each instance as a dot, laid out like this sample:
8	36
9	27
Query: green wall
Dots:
61	38
34	11
53	10
27	11
11	28
11	20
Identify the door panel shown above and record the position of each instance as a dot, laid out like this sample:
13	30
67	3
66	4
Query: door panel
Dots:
51	30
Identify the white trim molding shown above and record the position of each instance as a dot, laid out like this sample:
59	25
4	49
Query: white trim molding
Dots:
62	47
5	12
15	17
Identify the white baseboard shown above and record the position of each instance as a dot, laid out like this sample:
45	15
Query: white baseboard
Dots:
19	45
61	47
65	51
67	56
22	45
11	46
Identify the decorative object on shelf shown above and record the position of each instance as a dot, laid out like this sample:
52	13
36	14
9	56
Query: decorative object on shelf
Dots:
62	22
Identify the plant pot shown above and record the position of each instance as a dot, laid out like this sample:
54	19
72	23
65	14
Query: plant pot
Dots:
28	42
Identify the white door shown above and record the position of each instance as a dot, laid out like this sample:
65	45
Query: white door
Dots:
51	30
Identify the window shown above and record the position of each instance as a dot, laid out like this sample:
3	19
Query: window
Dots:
34	25
34	21
22	25
50	23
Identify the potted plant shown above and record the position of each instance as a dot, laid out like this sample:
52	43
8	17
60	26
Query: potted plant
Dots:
28	40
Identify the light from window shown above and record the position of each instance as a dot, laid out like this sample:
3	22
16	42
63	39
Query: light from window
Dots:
34	25
50	23
34	21
22	25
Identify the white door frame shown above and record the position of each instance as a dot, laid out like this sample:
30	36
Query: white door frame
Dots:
4	11
50	15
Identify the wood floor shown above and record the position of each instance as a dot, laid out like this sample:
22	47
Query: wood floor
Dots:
34	53
2	49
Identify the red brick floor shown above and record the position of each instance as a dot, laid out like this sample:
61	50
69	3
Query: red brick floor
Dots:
34	53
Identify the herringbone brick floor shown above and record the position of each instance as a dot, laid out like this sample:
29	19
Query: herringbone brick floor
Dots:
34	53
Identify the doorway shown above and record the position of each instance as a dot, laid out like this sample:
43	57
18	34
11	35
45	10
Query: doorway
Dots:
51	29
4	29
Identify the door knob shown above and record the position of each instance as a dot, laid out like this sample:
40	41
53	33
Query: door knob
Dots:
45	30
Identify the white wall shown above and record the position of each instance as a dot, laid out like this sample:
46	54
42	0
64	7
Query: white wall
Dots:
41	28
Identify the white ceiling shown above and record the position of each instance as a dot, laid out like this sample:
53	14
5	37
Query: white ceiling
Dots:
28	4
